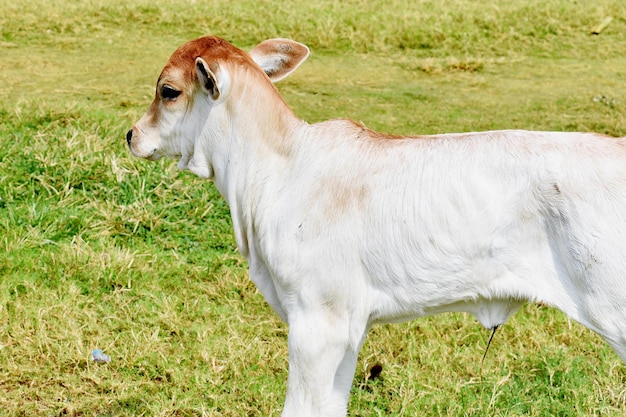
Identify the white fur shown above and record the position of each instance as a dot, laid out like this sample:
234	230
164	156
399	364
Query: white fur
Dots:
344	228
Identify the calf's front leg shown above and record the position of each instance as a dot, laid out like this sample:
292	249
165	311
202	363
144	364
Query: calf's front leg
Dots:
322	361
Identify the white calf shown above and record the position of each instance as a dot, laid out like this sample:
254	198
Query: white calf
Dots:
344	227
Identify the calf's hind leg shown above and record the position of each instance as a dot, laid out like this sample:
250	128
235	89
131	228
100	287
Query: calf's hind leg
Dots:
603	310
610	323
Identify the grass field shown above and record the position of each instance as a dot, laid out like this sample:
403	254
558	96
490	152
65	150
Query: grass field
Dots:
100	250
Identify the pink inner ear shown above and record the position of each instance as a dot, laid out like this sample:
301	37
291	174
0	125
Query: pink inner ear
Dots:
279	57
207	78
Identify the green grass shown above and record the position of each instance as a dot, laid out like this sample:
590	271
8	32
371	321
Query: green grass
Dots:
100	250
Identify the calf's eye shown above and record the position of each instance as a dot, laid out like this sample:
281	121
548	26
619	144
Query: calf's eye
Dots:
168	93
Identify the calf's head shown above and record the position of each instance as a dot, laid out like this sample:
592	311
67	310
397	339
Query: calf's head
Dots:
189	114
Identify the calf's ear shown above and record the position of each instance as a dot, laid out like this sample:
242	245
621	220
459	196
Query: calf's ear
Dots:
279	57
207	78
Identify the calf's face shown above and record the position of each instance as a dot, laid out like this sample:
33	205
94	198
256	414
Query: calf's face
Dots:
151	137
183	120
185	92
172	118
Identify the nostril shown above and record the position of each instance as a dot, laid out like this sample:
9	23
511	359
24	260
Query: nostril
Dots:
129	136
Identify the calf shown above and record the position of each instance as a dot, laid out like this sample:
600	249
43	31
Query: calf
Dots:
344	227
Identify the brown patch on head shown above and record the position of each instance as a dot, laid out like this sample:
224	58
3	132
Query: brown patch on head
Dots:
209	48
180	70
